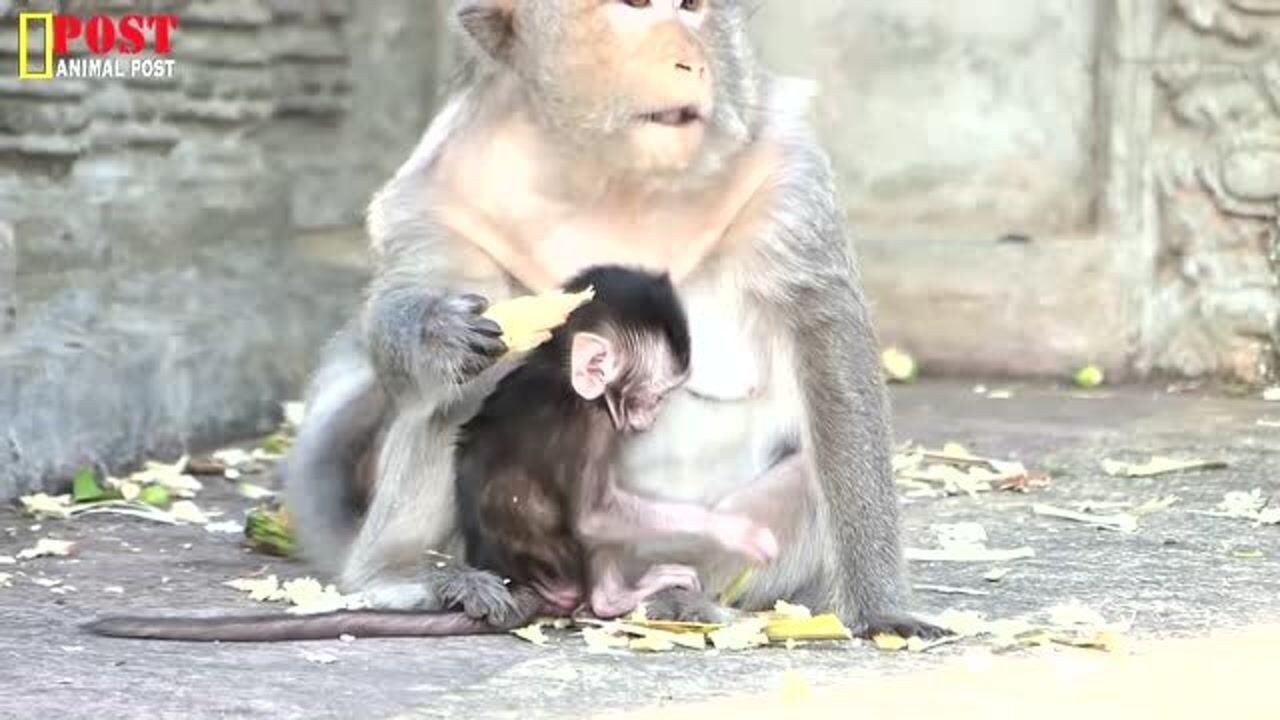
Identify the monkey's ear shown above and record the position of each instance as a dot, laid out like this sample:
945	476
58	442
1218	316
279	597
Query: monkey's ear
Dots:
491	24
593	364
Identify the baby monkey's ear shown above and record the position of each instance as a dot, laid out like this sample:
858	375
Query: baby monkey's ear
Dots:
491	24
593	364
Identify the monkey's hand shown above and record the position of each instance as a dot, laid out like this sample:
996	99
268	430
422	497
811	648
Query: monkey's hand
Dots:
459	339
742	535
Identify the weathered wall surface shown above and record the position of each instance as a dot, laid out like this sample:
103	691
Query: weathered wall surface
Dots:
162	280
1127	147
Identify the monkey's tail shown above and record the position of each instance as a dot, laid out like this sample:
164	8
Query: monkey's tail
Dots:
280	628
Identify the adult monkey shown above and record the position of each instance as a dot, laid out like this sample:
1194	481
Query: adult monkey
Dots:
605	131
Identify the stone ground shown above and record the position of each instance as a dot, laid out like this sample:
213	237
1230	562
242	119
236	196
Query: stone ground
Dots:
1183	575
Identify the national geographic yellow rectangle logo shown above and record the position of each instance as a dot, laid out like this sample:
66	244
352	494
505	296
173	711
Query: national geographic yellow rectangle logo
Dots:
25	21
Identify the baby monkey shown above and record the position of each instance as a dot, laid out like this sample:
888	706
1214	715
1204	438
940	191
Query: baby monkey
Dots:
537	496
538	500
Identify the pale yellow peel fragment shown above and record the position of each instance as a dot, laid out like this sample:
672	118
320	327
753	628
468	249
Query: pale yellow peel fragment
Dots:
527	321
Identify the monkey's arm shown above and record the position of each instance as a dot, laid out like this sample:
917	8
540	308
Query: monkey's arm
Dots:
422	321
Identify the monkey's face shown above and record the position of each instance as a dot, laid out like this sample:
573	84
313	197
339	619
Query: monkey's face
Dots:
631	77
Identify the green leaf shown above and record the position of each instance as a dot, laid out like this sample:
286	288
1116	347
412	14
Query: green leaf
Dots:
155	496
85	488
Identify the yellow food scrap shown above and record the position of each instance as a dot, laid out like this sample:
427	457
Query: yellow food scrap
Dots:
676	626
532	633
741	635
527	321
602	640
889	642
784	609
820	627
898	365
736	587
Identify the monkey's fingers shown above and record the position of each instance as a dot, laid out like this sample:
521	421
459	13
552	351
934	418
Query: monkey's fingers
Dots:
527	321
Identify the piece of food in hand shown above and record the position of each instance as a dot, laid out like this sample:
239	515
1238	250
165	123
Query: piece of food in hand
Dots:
270	531
527	321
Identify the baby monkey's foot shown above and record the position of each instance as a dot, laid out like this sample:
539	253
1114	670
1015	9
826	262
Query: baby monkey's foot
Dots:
610	599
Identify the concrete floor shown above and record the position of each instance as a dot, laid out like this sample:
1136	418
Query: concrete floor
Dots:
1181	575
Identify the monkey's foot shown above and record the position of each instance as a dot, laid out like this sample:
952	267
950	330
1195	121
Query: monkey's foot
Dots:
481	594
610	599
680	605
904	626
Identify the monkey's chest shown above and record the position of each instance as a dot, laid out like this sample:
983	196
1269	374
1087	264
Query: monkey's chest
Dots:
740	406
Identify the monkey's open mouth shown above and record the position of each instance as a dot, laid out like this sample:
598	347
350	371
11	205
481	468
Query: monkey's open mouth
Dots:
675	117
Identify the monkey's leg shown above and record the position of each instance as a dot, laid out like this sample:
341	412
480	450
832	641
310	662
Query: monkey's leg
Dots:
395	560
612	596
618	516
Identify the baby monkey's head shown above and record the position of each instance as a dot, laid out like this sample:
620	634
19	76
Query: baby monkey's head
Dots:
629	346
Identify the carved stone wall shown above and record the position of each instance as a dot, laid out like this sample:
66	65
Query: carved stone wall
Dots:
1215	304
161	280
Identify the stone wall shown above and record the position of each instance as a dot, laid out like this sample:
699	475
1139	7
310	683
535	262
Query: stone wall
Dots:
1040	185
174	252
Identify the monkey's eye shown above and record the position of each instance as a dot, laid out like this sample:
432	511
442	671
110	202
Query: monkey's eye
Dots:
637	3
691	5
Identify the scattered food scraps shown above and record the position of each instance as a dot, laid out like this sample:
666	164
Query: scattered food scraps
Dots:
889	642
531	633
225	527
46	547
186	511
1266	423
1271	394
85	488
45	505
734	590
1242	504
958	472
156	496
821	627
898	365
1122	522
305	595
1248	554
173	477
741	635
270	531
1090	377
1158	466
254	492
46	582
